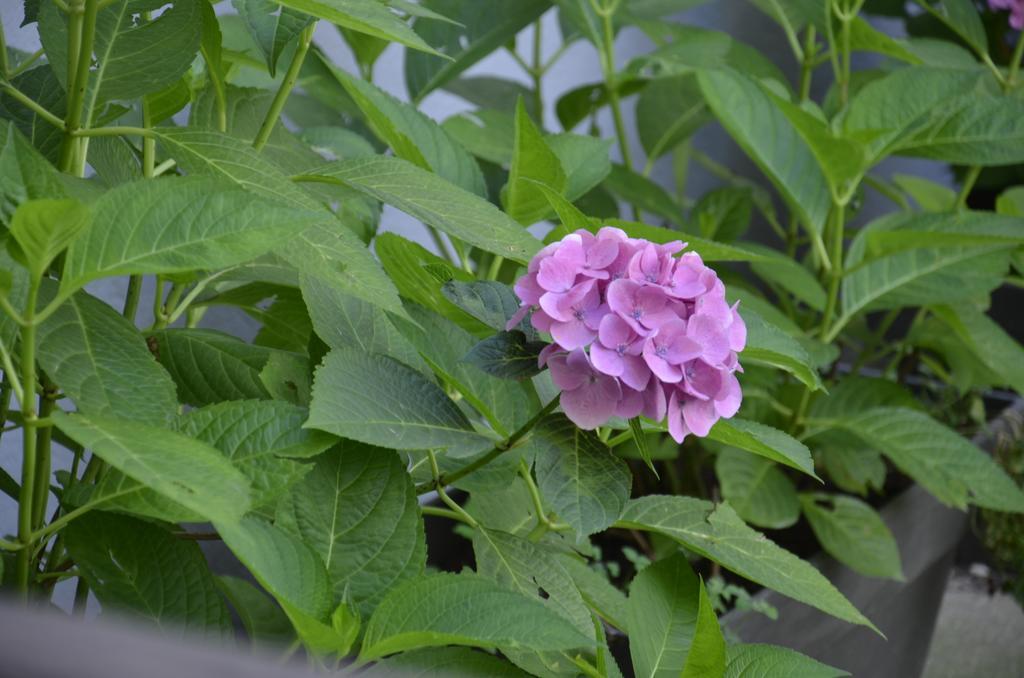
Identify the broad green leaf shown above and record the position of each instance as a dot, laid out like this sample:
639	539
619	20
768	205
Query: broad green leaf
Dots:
709	250
948	465
854	394
585	161
849	462
41	85
445	662
1011	202
530	568
178	224
187	471
342	320
487	134
866	38
138	568
757	489
751	117
24	173
363	16
790	275
770	661
114	160
505	406
288	569
507	355
962	17
691	48
491	93
413	136
482	27
330	251
464	609
264	621
976	129
419	275
272	32
379	401
578	476
209	366
708	651
681	95
929	195
665	626
899	232
853	533
765	441
716	532
600	595
357	509
436	203
723	214
768	345
99	360
533	162
42	229
996	349
491	302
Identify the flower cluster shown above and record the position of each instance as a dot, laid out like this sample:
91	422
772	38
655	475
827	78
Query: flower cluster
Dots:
636	330
1016	8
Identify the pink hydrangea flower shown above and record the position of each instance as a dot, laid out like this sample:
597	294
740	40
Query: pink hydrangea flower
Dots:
1016	8
636	329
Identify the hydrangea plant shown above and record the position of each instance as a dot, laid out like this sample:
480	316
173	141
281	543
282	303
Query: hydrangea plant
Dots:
557	378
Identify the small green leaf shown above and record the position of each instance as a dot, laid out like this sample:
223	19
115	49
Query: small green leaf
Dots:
458	662
962	17
770	661
182	469
136	567
491	302
996	349
43	229
583	482
765	441
272	32
364	16
640	438
854	534
533	162
758	489
507	355
264	621
768	345
464	609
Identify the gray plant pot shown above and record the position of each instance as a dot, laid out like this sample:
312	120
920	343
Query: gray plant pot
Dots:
927	533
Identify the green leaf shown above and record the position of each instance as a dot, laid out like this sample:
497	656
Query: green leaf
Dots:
929	195
271	32
288	569
637	189
680	95
599	594
578	476
1011	202
464	609
379	401
491	93
507	355
640	439
757	489
977	129
505	406
723	214
962	17
948	465
357	509
99	360
24	173
481	28
363	16
264	621
436	203
491	302
209	366
529	568
666	627
765	441
135	567
708	651
853	533
184	470
533	162
716	532
176	225
790	275
419	275
768	345
43	229
751	117
850	463
585	161
445	662
413	136
344	321
996	349
770	661
41	85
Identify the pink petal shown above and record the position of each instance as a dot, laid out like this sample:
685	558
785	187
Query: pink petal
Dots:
709	333
729	397
635	372
565	375
676	426
517	317
527	289
662	369
573	334
607	361
541	321
614	331
593	404
737	330
620	296
699	416
654	400
556	275
631	405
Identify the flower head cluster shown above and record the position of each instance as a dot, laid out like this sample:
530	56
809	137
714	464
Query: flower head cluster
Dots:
1016	8
636	330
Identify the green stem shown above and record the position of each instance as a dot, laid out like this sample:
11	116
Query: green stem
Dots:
1018	53
836	271
5	399
807	63
81	598
28	102
442	513
537	72
499	449
290	78
495	267
4	65
83	24
970	179
28	413
44	438
451	503
844	37
26	64
166	309
131	298
877	336
608	66
112	132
